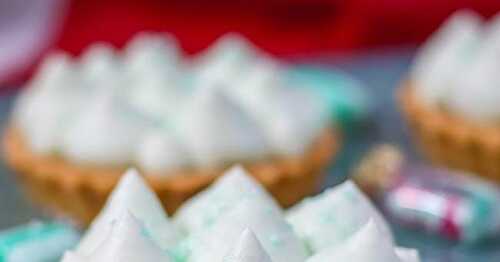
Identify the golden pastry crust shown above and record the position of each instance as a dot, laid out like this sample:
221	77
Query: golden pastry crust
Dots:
78	192
450	140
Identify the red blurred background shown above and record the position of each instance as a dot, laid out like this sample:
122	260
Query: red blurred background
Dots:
285	28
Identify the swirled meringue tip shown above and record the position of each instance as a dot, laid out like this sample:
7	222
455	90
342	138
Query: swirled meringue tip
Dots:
150	54
268	224
132	194
126	242
247	249
204	209
102	134
99	62
317	219
150	41
162	151
229	133
368	244
443	57
54	71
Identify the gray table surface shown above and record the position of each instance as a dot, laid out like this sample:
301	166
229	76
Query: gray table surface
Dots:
380	72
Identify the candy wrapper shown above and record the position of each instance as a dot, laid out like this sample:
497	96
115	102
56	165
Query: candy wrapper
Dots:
36	242
450	203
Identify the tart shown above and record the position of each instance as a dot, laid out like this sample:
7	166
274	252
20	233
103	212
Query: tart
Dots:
450	100
180	121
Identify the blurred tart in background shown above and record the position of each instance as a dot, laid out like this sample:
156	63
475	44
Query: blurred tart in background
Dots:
451	98
181	121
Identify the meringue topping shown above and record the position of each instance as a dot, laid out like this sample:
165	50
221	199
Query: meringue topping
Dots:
368	244
133	195
445	56
43	111
205	208
160	151
99	63
218	131
456	70
275	235
241	224
229	104
125	242
247	249
148	52
334	215
103	134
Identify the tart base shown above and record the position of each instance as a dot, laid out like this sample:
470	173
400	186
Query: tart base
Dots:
78	192
449	140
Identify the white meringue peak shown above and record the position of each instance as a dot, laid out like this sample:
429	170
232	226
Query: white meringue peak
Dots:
157	94
133	195
98	63
43	118
160	151
445	55
45	109
205	208
275	235
474	96
125	242
291	118
259	88
295	121
333	216
367	244
247	249
155	52
56	73
225	61
231	49
218	131
104	134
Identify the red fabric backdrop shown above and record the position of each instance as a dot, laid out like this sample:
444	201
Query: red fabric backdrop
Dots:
281	27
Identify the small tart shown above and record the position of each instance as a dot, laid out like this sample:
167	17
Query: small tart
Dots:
79	191
451	140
